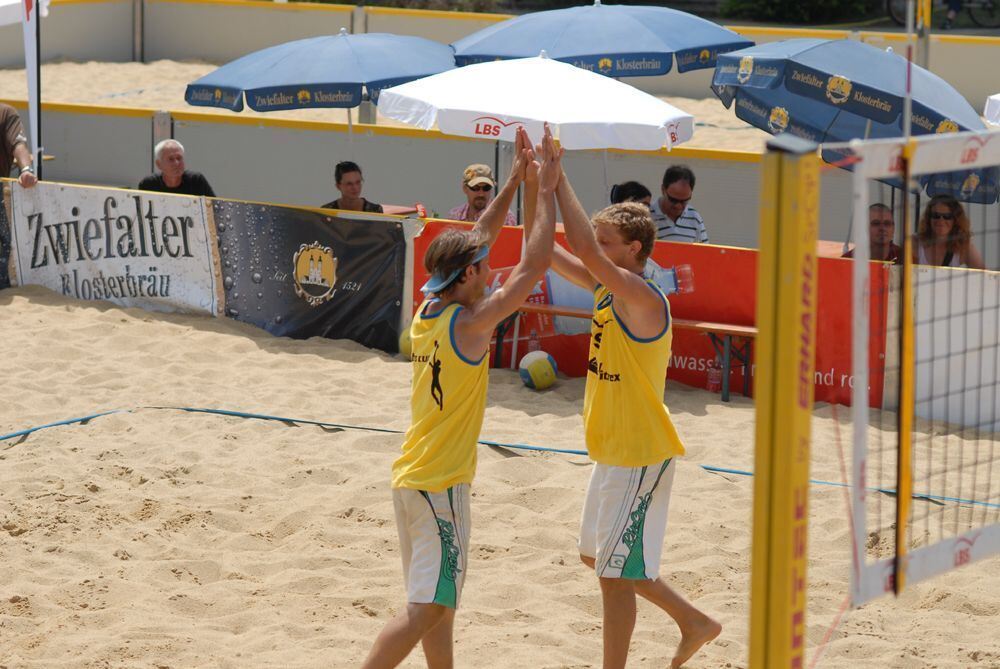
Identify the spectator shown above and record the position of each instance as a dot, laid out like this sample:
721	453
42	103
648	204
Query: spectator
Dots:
631	191
14	147
954	7
675	219
173	178
944	236
478	185
881	230
349	180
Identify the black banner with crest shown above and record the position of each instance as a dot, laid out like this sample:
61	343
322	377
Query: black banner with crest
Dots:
299	273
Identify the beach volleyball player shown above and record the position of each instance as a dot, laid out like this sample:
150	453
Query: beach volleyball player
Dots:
450	338
629	434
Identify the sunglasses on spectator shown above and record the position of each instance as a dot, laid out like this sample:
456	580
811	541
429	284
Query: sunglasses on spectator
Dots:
481	188
675	201
887	222
942	215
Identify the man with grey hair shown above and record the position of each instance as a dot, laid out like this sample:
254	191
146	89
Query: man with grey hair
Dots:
172	177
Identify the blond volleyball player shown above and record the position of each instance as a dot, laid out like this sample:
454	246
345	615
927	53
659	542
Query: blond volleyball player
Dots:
450	337
629	434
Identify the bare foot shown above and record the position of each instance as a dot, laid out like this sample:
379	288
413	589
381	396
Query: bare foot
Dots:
694	638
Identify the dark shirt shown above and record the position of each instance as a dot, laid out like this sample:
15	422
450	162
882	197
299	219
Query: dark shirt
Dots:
192	183
370	207
11	134
894	254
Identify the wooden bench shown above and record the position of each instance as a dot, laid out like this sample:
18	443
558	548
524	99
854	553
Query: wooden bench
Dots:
729	341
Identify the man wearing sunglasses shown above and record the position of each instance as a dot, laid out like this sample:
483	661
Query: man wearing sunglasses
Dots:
478	185
675	219
881	230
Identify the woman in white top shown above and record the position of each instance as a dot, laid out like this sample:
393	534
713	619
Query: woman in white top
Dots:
944	237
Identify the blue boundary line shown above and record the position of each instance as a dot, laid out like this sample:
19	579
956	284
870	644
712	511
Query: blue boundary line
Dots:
485	442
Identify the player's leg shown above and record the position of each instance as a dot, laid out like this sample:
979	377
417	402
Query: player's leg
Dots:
438	643
434	534
402	633
696	628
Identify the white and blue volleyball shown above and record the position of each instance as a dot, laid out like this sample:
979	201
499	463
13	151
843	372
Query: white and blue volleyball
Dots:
538	370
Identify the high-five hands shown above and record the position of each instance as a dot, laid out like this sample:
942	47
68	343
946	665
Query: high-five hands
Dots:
550	155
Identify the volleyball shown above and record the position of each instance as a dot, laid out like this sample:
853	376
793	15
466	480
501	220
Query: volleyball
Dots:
538	370
405	346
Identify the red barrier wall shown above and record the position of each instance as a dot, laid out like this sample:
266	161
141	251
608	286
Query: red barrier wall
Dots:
725	291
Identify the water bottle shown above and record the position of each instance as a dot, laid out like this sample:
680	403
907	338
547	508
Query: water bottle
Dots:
670	280
534	344
715	376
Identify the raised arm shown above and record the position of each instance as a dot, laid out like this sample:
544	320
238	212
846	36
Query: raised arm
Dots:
537	253
629	288
563	262
492	219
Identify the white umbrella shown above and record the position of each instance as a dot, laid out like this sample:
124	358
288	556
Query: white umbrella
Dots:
992	111
585	110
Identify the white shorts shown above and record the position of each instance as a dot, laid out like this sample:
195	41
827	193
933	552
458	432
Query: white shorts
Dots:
625	518
434	542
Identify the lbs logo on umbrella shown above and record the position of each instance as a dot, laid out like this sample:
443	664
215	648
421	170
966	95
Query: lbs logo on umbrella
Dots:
315	273
838	89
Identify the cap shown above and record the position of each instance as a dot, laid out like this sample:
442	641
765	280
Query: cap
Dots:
439	282
478	174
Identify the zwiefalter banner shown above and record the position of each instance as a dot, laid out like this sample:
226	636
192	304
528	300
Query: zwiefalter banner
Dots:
133	248
301	273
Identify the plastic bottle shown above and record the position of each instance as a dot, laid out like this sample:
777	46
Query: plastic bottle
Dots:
534	343
715	376
684	278
421	209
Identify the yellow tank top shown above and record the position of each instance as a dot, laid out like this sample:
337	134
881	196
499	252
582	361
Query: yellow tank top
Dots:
625	420
449	397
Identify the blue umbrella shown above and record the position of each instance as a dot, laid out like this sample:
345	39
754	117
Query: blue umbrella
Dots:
616	40
328	71
838	90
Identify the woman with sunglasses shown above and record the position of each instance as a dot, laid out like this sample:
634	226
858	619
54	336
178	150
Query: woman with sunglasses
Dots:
944	236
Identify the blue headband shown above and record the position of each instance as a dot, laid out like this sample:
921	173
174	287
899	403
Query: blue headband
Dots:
438	282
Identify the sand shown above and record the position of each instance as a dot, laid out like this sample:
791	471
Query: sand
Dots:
161	85
161	538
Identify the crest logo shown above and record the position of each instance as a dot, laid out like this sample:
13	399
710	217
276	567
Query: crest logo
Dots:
604	65
705	56
746	69
838	89
315	273
970	184
304	97
778	120
218	95
947	125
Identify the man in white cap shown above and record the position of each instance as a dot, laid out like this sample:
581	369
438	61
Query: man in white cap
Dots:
478	185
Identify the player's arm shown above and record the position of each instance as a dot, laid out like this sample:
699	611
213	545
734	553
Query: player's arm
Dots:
483	318
489	224
563	262
634	299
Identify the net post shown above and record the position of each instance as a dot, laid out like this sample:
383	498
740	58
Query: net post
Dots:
860	394
786	317
907	377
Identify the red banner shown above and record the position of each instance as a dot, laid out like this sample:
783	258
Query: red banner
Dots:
725	291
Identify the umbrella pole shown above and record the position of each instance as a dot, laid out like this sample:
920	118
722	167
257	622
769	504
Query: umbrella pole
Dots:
350	135
607	188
